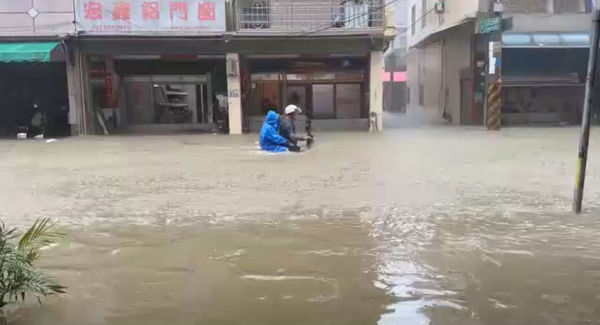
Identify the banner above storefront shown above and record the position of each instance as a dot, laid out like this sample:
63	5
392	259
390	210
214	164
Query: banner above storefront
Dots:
150	16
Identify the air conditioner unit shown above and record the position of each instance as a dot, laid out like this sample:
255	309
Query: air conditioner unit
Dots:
440	7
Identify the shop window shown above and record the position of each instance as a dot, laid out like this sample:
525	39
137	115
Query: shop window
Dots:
265	97
347	100
266	76
165	99
296	77
296	95
175	103
323	101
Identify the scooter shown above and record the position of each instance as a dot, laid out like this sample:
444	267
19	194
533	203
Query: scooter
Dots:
310	138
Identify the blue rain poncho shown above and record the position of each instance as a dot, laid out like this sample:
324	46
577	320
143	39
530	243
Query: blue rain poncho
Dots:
270	140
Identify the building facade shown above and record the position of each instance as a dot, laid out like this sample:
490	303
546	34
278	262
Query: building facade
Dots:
544	55
187	65
34	78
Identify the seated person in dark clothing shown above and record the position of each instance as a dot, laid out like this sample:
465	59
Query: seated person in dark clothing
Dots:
288	127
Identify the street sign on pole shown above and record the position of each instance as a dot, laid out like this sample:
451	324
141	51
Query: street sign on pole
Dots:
489	25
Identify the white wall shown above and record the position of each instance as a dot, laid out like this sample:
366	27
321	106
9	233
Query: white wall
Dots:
424	67
457	57
437	66
54	17
456	11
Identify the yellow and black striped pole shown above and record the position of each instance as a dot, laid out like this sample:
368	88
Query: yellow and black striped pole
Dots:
493	101
590	100
494	107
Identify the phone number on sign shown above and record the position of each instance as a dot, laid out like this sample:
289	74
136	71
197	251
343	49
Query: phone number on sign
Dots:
120	28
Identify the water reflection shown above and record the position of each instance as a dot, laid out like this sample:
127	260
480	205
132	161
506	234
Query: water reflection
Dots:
384	266
489	267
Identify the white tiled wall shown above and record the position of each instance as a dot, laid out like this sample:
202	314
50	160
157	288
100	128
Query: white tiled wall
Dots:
54	17
456	11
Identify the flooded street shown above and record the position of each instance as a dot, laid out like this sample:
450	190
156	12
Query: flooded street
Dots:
412	226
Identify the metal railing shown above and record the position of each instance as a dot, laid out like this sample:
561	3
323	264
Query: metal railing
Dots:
310	16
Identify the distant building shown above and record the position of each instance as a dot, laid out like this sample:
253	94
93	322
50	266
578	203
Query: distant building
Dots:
545	49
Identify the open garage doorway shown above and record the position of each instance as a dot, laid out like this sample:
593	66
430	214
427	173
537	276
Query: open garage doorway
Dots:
34	99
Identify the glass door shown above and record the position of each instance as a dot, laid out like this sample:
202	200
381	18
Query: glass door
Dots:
347	101
323	101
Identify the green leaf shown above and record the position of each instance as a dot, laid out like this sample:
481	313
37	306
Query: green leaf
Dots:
18	276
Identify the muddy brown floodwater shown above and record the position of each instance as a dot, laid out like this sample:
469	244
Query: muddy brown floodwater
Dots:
415	226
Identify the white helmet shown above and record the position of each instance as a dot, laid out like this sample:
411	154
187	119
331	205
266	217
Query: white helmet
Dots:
292	109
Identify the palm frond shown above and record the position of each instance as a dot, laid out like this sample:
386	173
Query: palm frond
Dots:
39	233
18	277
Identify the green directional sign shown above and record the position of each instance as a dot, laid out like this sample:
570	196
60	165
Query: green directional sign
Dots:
489	25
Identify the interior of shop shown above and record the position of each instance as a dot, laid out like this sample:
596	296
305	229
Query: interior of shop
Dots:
34	99
327	88
164	99
174	94
544	86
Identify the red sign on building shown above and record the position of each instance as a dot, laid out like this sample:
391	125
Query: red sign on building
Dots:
122	11
131	16
178	9
150	10
92	10
206	11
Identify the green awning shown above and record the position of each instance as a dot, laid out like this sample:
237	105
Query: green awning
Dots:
26	52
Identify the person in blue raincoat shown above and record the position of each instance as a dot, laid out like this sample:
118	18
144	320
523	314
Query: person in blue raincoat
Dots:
270	140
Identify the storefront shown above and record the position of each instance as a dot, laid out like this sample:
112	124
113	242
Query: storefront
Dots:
543	77
152	66
152	93
331	90
184	66
33	84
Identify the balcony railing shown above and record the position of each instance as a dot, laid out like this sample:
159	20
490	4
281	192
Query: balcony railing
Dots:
310	16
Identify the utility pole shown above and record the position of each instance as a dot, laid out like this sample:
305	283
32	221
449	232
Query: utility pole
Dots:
590	100
494	67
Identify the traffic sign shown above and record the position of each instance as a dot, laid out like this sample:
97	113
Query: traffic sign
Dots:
489	25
